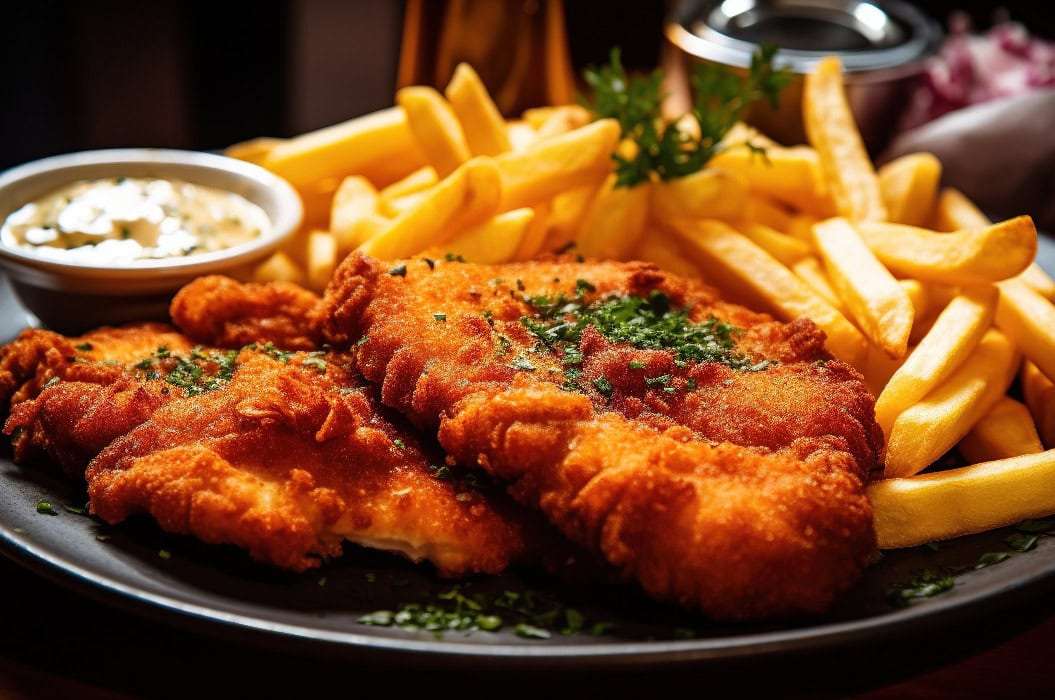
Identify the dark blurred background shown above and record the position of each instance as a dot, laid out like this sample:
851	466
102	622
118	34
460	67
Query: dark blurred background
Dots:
89	74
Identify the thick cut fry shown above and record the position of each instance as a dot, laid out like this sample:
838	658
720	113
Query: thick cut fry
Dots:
280	267
755	278
706	194
322	259
832	131
253	150
535	235
954	211
614	221
930	428
1006	431
465	198
791	176
1039	394
879	368
1040	281
494	241
881	308
354	201
393	207
568	209
1029	320
435	128
421	179
910	186
564	118
659	247
379	141
482	123
968	256
764	211
557	164
952	338
931	507
812	273
787	249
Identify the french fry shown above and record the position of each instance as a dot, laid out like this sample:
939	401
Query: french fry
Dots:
761	210
928	429
909	185
482	123
1029	320
567	210
322	259
563	118
465	198
752	276
954	211
550	166
535	235
494	241
354	201
1039	394
435	127
919	296
377	142
1042	283
953	337
879	368
913	511
968	256
791	176
393	207
421	179
1006	431
614	221
665	251
810	270
279	267
832	131
253	150
881	308
706	194
787	249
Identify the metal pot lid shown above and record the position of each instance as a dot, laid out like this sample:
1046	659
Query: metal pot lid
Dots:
879	36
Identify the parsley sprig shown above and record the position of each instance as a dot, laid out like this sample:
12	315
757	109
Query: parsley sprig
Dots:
669	148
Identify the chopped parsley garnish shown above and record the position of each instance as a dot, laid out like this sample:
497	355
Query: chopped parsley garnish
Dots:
76	510
533	615
441	472
636	364
399	270
45	508
440	316
522	363
317	362
924	584
199	372
83	346
645	323
603	385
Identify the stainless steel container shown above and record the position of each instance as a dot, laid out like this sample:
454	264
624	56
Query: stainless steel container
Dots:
882	44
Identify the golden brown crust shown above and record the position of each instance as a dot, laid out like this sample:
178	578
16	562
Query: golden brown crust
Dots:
217	310
739	492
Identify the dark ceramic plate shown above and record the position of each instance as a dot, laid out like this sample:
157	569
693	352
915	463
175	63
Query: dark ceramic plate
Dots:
219	591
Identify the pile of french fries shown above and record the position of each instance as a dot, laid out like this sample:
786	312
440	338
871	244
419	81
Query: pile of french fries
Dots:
944	312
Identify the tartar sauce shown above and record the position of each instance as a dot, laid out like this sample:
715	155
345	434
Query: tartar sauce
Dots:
125	219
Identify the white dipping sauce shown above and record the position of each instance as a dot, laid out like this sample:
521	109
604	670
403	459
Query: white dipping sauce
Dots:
126	219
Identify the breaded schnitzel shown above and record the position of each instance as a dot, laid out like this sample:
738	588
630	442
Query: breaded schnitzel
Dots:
712	454
284	454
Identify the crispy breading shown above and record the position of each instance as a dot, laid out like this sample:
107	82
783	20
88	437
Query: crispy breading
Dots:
217	310
284	454
739	492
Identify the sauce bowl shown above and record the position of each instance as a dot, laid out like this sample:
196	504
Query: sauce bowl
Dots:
883	46
72	296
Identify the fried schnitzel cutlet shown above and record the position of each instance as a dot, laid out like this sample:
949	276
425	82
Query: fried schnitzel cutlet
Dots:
285	454
709	452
